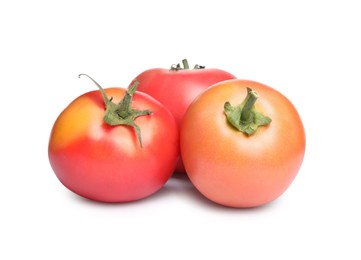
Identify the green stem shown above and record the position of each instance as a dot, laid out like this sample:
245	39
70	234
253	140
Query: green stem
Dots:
248	105
185	64
125	105
244	117
177	67
122	113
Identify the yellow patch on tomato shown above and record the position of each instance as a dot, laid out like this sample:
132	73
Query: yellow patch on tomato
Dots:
74	122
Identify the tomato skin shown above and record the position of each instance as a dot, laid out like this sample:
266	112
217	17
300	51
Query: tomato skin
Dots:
106	163
177	89
231	168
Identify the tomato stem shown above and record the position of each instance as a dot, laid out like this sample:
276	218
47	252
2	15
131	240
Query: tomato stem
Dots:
177	67
185	64
249	102
121	113
244	117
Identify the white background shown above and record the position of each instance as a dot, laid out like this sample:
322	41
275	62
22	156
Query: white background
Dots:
308	50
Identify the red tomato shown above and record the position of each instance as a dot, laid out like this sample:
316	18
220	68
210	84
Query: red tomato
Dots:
235	168
176	88
114	163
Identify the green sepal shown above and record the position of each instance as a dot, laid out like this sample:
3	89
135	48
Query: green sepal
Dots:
122	113
244	117
177	67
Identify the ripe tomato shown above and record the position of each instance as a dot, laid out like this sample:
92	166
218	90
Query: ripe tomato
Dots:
177	87
97	158
235	168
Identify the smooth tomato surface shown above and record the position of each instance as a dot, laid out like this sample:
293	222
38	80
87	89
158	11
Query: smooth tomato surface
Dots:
106	163
177	89
231	168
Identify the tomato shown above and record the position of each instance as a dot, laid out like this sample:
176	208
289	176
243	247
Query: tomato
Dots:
116	149
177	87
242	143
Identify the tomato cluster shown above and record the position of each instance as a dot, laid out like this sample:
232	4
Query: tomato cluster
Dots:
240	142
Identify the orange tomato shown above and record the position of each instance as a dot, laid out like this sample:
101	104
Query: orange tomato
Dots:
235	168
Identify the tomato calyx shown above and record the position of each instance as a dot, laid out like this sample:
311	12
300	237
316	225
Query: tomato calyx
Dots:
177	67
122	113
244	117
